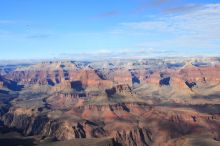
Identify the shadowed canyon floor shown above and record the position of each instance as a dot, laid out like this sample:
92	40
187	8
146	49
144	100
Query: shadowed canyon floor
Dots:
148	102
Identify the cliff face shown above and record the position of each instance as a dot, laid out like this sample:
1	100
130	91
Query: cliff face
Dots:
10	84
138	136
24	122
122	77
29	77
90	79
128	127
202	74
124	90
93	79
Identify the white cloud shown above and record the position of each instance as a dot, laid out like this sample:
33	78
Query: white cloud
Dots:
117	54
197	28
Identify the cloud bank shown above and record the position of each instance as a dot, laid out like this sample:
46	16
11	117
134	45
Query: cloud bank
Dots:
198	28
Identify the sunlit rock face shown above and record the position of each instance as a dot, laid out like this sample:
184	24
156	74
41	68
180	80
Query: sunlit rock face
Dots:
131	103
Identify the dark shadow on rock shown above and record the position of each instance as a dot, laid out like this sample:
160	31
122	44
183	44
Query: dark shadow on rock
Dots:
77	85
178	127
190	84
66	75
91	123
135	79
110	92
4	92
100	74
16	142
12	85
115	143
211	96
50	82
165	81
207	108
175	65
125	108
200	64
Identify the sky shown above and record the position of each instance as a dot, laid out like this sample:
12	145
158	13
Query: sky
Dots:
99	29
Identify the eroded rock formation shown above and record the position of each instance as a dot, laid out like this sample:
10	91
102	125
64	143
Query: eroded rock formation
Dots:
133	103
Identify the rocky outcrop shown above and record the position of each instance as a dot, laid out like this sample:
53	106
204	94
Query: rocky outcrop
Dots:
122	76
134	137
140	126
178	82
90	79
201	74
12	85
60	78
64	130
20	122
34	125
29	77
63	100
124	90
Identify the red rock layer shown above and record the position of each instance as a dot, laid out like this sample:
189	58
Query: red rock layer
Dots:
122	76
90	79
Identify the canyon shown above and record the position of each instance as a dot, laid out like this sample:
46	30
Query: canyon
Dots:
145	102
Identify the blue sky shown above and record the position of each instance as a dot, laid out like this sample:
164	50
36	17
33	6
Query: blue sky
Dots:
80	29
